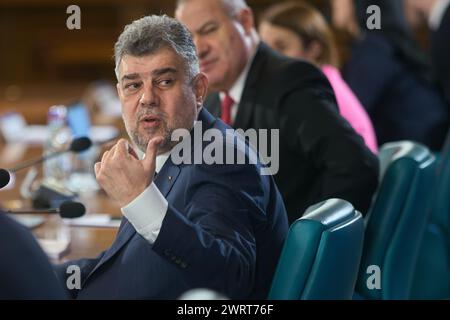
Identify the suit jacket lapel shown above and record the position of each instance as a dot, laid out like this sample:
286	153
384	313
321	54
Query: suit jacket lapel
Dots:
166	177
249	95
126	231
212	103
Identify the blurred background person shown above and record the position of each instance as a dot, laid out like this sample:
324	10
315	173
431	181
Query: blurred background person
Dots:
253	87
298	30
391	77
435	14
342	15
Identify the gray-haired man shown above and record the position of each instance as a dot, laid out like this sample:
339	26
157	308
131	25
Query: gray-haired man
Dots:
321	156
212	226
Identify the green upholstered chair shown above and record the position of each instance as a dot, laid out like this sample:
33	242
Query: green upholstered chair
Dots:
396	222
432	273
321	255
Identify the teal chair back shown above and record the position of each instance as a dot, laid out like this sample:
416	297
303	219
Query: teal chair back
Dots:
432	273
321	255
396	221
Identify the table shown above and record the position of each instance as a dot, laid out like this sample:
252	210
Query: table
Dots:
86	242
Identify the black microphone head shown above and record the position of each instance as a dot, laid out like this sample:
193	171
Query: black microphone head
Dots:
5	177
80	144
70	210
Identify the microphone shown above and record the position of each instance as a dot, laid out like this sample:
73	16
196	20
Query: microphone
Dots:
78	145
4	178
67	210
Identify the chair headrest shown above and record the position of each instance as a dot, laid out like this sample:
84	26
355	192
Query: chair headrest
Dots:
393	151
330	213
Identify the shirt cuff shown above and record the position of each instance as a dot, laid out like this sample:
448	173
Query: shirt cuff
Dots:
146	212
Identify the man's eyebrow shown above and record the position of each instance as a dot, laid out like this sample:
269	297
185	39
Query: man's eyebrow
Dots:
160	72
131	76
156	72
205	26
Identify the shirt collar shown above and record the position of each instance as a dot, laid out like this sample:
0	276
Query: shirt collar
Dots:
437	14
161	160
238	87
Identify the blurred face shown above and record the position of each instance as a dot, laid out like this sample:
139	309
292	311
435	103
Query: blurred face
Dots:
158	97
343	16
288	42
414	13
220	40
282	40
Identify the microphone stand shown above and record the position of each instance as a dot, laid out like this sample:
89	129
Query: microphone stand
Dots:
36	211
32	162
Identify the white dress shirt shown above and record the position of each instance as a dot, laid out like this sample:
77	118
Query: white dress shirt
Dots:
147	211
238	87
437	14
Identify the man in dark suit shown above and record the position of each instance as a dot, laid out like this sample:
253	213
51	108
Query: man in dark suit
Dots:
320	155
25	272
440	51
436	13
214	226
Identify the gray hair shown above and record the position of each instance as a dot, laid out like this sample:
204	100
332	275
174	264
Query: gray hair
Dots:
231	7
149	34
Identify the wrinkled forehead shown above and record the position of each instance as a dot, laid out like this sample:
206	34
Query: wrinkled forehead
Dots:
151	64
196	13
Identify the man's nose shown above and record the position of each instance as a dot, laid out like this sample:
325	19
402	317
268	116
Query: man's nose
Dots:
149	97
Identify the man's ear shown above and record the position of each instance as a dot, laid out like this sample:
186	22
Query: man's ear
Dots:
200	88
247	20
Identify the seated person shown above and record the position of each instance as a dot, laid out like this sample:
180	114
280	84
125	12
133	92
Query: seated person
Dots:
297	30
390	76
436	15
25	272
254	88
190	224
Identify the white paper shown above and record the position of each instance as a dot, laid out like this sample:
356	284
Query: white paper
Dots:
94	220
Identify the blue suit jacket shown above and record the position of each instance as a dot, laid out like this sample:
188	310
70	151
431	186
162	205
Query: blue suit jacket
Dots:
224	230
25	272
440	53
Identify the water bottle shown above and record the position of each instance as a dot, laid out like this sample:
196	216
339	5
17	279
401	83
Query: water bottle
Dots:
57	170
82	179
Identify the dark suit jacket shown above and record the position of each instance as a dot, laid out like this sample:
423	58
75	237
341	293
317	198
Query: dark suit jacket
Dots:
25	272
224	230
321	156
440	53
401	104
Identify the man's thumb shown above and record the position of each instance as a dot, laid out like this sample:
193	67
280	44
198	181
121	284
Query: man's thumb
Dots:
150	155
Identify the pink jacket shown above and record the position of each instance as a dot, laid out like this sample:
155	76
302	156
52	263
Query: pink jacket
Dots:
350	107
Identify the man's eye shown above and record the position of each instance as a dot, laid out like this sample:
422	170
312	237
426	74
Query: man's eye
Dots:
165	82
132	86
209	30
